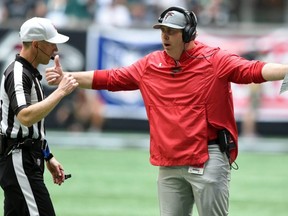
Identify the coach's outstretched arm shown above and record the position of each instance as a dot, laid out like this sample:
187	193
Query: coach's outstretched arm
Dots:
55	74
270	72
274	71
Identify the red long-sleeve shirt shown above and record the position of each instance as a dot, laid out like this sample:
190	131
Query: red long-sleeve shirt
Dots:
186	101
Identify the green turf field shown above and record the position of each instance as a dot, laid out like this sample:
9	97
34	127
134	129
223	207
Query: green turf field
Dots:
123	183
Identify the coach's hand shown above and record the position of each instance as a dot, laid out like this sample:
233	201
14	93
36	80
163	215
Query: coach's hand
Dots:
54	74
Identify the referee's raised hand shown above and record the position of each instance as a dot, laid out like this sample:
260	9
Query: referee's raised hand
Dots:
54	74
67	84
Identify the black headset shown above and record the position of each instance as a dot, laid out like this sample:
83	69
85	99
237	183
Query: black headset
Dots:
189	31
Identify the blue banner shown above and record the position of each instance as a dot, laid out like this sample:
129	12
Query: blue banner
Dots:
112	48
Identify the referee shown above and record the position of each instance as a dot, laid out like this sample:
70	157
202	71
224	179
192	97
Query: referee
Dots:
23	148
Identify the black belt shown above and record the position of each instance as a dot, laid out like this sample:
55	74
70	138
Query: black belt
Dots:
213	142
28	142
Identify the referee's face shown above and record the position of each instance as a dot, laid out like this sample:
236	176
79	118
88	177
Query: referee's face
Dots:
45	51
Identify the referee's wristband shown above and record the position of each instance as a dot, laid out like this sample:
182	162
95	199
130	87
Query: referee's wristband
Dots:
48	158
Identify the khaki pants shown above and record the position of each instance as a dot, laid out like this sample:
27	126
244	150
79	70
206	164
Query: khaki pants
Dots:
178	189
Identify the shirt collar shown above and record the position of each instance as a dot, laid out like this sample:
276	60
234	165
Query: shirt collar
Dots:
29	66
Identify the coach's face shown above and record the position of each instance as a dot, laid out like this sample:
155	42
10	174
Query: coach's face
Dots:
172	41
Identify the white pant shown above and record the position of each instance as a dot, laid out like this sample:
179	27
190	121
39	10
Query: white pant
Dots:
178	189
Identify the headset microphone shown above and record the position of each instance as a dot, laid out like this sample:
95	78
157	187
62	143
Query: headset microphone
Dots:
51	57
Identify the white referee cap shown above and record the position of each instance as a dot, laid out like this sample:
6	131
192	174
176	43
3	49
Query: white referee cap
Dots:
38	29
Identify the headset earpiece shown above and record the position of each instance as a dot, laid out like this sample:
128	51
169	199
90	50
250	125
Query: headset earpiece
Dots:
189	31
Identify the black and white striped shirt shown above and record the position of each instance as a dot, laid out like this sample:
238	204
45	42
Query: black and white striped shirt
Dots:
20	87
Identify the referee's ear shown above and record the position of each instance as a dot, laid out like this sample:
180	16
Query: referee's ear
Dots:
34	44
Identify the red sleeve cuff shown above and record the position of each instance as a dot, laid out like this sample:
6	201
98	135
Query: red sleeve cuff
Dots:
100	80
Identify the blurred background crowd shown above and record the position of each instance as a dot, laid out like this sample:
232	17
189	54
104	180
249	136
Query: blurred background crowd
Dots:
140	13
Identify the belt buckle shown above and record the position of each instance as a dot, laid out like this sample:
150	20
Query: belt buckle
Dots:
14	147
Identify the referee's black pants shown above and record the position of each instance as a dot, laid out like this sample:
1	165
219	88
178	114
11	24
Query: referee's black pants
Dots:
21	178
